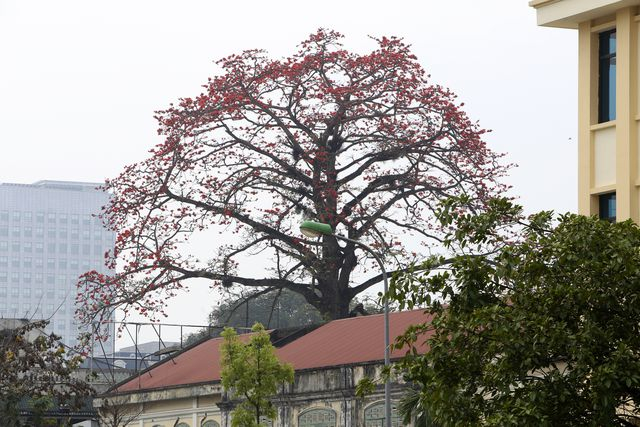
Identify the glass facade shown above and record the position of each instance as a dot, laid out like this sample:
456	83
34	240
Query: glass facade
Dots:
39	260
607	76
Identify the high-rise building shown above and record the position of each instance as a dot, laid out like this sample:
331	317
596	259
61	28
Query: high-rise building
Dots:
49	235
608	101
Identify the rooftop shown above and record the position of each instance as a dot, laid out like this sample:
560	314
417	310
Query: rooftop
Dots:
58	185
340	342
569	13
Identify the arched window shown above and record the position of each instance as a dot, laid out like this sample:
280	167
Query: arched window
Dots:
374	415
182	425
317	417
211	423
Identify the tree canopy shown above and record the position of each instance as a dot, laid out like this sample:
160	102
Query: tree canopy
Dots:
363	142
36	371
277	309
251	372
537	323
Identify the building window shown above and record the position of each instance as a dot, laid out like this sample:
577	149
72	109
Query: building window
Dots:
607	210
266	422
374	416
607	76
211	423
317	418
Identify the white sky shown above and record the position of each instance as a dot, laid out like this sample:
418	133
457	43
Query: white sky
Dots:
79	80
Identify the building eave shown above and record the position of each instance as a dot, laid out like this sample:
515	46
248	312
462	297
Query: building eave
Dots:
570	13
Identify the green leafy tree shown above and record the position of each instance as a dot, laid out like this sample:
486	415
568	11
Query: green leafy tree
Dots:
276	309
251	372
279	309
36	371
536	322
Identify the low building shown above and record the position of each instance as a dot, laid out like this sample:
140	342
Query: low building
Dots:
185	390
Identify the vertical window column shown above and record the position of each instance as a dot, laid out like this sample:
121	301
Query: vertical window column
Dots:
607	76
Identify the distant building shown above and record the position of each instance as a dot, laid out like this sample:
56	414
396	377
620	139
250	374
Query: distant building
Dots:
608	101
49	235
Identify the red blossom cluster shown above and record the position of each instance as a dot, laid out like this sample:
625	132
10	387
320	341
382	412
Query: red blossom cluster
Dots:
363	142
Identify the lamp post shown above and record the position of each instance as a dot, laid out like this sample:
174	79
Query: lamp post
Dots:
316	229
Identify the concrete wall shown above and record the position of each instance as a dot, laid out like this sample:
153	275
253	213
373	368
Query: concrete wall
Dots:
331	389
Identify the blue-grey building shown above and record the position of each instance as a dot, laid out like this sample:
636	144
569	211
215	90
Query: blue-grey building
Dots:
49	235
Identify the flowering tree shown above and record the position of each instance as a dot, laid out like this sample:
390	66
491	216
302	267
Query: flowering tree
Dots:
362	142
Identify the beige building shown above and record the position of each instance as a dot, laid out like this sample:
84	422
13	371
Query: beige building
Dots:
608	112
185	390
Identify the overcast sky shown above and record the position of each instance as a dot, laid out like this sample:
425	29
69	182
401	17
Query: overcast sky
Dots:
80	80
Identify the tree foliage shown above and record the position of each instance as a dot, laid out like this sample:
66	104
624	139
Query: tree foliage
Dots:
251	372
537	326
36	371
277	309
363	142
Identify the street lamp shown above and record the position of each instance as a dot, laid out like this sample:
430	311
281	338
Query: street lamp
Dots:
315	229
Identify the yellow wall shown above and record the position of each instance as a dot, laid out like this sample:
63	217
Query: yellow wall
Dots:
168	405
608	152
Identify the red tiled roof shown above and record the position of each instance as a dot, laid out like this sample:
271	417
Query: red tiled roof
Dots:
199	364
347	341
340	342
